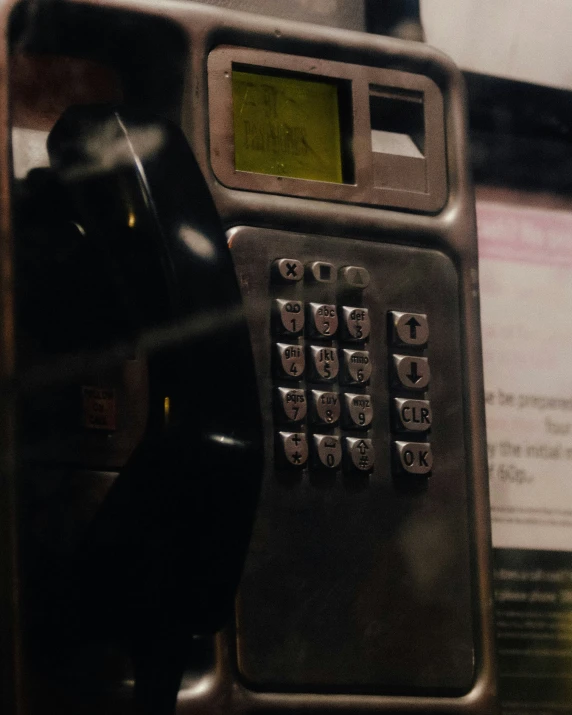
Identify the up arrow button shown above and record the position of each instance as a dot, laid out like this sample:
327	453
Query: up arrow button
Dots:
409	328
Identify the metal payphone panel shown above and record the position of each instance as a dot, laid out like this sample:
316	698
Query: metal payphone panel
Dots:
360	553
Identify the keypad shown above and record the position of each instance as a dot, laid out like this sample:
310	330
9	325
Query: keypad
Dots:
321	328
323	368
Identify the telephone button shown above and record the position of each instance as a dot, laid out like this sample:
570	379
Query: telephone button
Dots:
291	361
414	457
320	272
360	454
325	407
327	451
409	328
324	362
412	372
289	316
358	411
354	277
323	320
356	367
293	447
292	403
287	270
355	323
413	415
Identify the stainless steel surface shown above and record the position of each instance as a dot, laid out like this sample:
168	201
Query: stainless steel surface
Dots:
356	367
294	447
323	320
413	415
327	451
414	457
324	363
326	407
410	328
355	323
289	316
292	403
361	453
412	371
358	410
291	362
362	166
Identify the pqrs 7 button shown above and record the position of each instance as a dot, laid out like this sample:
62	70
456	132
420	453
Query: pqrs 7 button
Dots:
355	323
293	448
414	457
358	411
327	451
360	454
323	320
411	372
324	361
291	403
356	367
409	328
413	415
289	316
290	361
325	407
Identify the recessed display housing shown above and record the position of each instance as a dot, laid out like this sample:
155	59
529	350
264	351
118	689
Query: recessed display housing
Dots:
328	130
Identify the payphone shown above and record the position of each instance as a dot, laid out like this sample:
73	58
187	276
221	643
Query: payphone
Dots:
337	163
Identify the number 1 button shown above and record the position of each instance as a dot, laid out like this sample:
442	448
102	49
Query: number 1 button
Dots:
289	316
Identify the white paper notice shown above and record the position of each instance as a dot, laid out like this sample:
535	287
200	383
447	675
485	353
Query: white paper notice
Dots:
526	304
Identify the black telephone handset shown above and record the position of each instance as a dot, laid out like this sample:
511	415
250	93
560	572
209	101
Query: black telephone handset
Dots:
163	557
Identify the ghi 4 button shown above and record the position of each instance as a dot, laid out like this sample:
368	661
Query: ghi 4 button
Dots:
410	377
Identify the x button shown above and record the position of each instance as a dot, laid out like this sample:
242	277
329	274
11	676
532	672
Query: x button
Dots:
287	270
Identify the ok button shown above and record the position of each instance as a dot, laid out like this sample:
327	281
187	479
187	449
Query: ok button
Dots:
413	415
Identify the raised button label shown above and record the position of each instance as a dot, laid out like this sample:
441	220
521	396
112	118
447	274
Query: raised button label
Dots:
292	403
414	457
360	453
289	316
321	272
323	319
357	367
293	448
325	365
354	276
412	371
325	407
288	270
358	410
409	328
413	415
327	450
291	362
356	323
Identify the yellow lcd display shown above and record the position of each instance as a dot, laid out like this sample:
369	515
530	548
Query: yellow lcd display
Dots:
286	126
